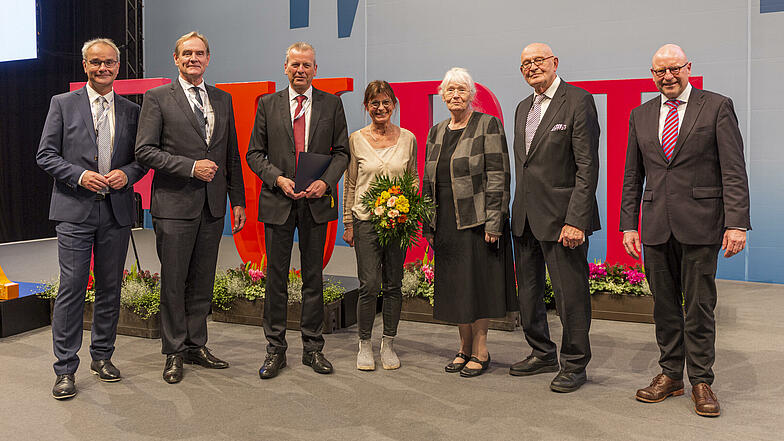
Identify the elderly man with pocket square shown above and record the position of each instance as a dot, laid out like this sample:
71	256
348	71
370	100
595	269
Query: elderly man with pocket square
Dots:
556	152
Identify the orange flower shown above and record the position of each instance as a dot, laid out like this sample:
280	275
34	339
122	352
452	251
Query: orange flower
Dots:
402	218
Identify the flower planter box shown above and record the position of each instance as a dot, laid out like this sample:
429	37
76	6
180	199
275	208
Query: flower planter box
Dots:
619	307
418	309
129	322
246	312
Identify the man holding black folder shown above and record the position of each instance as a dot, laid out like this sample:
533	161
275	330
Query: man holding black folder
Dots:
298	120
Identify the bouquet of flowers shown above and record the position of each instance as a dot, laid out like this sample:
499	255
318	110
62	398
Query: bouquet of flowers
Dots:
396	209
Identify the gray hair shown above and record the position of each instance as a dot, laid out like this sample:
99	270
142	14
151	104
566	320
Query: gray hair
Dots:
300	46
107	41
460	76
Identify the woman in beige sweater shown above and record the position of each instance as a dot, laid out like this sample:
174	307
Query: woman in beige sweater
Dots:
381	148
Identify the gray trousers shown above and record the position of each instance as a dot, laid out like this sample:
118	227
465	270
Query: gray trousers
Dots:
380	269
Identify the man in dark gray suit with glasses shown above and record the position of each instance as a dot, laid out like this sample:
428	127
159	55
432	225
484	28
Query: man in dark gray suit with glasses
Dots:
187	135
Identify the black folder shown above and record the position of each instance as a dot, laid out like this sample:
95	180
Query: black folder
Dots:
310	167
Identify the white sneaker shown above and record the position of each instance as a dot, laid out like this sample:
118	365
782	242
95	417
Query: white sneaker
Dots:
388	356
365	361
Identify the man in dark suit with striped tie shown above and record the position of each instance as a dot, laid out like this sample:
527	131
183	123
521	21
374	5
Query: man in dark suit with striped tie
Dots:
687	150
87	147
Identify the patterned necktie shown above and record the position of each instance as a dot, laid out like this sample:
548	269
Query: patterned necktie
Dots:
532	122
670	130
104	137
299	128
200	118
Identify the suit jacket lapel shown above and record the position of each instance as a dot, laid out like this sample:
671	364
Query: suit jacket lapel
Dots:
285	114
651	116
119	122
87	114
558	100
185	106
217	112
693	108
522	117
315	111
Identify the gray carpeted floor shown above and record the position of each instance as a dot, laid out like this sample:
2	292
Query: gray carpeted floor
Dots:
417	402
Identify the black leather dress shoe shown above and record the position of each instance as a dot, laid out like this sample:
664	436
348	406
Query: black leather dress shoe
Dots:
533	365
568	381
469	372
453	367
317	361
172	372
64	387
203	357
105	370
273	363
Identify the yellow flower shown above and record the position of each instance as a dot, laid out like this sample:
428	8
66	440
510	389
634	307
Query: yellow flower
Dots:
384	195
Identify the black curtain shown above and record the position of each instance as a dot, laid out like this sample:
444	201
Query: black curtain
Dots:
25	90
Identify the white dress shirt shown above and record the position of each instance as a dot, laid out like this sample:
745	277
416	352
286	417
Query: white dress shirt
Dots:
306	106
205	99
664	109
95	109
549	94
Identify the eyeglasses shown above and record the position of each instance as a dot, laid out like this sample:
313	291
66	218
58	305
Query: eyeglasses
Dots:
108	63
456	90
376	104
536	61
675	70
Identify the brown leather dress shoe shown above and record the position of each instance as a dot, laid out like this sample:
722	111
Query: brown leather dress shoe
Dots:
661	387
705	402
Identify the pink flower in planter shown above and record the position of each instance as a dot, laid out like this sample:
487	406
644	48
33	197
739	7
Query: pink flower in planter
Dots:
255	275
597	270
633	276
428	272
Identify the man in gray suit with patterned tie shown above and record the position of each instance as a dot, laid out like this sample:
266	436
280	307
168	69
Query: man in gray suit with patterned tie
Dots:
87	147
556	153
687	150
187	135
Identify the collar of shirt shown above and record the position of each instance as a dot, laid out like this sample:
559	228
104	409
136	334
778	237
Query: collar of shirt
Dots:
550	92
684	96
308	93
186	86
92	95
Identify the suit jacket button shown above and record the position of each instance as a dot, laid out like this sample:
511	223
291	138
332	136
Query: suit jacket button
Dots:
525	165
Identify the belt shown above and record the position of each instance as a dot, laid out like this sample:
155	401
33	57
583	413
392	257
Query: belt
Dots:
100	196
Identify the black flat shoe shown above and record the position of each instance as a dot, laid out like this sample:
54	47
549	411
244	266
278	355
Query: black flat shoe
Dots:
172	372
468	372
64	387
533	365
203	357
105	370
273	363
566	382
453	367
317	361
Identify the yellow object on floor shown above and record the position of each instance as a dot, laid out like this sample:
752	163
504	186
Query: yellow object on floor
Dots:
8	289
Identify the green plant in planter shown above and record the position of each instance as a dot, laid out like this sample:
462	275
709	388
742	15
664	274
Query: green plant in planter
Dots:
247	281
52	287
332	290
141	292
617	279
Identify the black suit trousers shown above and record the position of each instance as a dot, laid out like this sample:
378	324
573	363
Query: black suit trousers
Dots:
568	269
100	235
188	251
278	240
683	279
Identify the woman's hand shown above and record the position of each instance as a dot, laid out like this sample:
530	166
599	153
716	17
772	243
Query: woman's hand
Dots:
429	238
348	234
491	238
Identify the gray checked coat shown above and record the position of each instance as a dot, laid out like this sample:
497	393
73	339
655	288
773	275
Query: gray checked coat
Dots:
480	173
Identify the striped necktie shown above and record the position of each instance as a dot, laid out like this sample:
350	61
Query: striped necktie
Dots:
532	122
670	130
299	127
200	117
104	136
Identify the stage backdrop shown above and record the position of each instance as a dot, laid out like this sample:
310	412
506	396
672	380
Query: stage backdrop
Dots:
735	47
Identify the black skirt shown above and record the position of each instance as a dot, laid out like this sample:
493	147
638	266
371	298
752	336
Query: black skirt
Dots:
473	279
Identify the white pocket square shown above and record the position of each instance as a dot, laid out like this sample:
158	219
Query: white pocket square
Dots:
558	127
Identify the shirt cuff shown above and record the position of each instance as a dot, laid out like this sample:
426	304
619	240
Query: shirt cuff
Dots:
629	231
80	178
735	228
193	168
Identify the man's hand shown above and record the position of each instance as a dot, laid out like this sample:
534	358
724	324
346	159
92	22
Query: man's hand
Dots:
205	170
571	236
316	189
116	178
239	218
490	238
348	234
734	242
94	181
631	242
287	185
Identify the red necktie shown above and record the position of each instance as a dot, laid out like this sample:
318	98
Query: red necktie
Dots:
299	128
670	131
